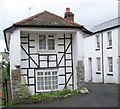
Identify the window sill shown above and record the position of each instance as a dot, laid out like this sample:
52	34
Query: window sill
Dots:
98	72
46	50
47	90
109	47
109	74
97	49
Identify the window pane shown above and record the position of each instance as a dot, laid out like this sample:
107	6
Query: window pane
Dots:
42	42
47	80
39	73
98	41
47	73
98	64
110	64
54	73
109	38
51	44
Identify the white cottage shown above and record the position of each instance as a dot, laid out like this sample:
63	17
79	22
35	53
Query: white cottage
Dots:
102	53
47	48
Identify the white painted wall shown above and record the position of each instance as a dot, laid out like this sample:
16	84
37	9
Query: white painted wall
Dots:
119	53
111	53
89	51
78	54
15	49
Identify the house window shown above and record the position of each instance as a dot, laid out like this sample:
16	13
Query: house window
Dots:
51	42
98	41
42	42
110	64
47	80
98	64
109	38
46	42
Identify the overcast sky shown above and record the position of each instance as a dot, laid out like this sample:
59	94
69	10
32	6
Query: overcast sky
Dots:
87	12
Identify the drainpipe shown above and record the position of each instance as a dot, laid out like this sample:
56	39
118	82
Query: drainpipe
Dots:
102	57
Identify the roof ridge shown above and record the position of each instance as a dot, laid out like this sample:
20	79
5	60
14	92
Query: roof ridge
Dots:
38	14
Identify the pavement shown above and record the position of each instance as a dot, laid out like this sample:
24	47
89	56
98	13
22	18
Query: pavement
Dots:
100	95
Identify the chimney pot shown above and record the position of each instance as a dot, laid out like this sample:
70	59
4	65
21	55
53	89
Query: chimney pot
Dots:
69	15
67	9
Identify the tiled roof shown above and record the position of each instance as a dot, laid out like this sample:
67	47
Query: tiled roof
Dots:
46	18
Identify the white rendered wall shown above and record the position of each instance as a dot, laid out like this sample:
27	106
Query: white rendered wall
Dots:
111	53
90	52
15	49
78	54
119	54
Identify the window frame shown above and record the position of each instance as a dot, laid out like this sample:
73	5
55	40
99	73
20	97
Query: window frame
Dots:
98	65
97	41
110	64
108	39
43	76
47	37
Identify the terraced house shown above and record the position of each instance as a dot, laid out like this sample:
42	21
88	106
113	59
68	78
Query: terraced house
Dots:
48	48
102	53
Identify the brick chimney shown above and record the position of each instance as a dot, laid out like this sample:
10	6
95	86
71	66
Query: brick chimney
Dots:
69	15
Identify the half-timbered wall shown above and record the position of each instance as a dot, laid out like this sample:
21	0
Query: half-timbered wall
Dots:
60	59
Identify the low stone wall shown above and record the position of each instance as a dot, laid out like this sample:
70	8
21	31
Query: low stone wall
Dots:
16	84
19	90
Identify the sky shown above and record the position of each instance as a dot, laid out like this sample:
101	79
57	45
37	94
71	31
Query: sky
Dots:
86	12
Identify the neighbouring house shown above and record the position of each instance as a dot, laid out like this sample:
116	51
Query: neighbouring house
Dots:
47	48
102	53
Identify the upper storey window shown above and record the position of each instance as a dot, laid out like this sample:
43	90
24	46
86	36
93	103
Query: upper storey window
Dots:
46	42
98	41
109	34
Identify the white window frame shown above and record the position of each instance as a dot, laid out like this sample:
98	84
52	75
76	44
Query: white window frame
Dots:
43	71
47	37
98	59
109	38
98	41
110	63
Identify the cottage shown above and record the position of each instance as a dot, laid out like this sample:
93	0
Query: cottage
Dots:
47	48
102	53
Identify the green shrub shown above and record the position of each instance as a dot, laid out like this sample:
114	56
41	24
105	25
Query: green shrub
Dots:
24	91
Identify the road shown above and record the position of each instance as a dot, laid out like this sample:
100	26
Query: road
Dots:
101	95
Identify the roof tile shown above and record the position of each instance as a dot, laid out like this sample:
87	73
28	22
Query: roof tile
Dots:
46	18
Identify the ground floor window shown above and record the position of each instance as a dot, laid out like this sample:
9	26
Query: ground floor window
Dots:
110	64
98	64
47	80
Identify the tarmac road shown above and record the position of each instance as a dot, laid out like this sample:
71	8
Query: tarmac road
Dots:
101	95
